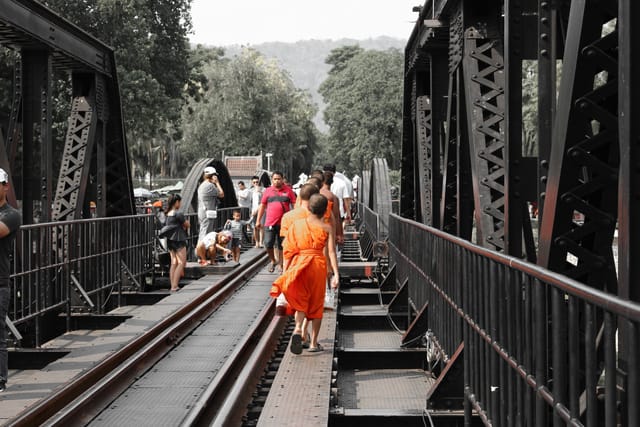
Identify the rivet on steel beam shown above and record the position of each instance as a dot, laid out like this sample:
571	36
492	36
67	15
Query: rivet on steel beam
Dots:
543	179
543	195
544	20
544	5
544	163
544	36
544	52
560	241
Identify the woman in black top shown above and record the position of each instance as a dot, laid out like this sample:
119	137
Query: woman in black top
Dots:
176	240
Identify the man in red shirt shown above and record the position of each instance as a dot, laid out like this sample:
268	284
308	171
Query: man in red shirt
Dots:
276	201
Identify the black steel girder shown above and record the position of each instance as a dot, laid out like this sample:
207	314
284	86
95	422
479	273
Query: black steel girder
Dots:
95	164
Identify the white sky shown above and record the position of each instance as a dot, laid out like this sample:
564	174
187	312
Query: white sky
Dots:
226	22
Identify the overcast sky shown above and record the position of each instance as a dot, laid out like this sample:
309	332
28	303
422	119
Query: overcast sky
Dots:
225	22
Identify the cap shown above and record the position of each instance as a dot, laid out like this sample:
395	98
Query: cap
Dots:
4	177
210	170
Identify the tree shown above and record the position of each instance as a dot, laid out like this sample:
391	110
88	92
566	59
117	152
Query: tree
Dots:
364	107
250	106
152	57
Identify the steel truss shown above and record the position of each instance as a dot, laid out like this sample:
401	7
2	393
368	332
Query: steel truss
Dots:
466	172
95	162
463	159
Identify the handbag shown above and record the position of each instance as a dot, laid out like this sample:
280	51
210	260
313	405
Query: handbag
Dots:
330	300
211	214
282	306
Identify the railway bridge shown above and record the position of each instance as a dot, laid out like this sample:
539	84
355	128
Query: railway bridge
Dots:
506	264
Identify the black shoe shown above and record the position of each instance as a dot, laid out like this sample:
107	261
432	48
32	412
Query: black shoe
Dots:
3	386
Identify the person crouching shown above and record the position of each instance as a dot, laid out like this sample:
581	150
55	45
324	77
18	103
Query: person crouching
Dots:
213	243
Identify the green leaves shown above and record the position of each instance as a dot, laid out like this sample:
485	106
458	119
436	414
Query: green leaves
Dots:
364	107
248	106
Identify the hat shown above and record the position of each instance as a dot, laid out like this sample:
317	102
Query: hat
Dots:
157	204
4	177
210	170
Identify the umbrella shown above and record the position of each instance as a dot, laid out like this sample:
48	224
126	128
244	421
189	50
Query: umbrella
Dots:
142	192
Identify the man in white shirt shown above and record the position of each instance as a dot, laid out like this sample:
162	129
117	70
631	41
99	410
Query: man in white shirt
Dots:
244	196
339	188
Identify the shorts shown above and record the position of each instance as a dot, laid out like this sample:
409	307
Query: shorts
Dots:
272	237
176	245
236	243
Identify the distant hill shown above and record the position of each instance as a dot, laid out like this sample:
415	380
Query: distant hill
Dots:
304	61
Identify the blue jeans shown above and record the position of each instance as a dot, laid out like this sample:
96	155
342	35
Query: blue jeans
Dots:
4	307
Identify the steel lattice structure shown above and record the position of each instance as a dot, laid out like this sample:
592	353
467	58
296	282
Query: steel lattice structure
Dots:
95	162
463	164
467	171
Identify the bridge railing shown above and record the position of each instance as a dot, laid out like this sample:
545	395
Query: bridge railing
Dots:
369	222
537	346
60	264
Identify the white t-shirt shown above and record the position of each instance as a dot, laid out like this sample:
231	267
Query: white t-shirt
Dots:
256	196
244	198
347	182
209	239
339	188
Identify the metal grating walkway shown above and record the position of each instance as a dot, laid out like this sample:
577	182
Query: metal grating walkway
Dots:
301	390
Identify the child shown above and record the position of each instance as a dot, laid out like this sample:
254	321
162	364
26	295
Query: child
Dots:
236	226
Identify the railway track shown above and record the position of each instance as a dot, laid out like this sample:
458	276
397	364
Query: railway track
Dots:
84	400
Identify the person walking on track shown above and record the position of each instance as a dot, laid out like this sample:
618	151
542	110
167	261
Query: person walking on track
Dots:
304	279
276	201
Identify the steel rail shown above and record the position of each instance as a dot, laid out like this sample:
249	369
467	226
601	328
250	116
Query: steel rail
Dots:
225	400
77	402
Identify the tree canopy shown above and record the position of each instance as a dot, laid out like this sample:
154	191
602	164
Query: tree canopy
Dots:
152	56
364	107
250	106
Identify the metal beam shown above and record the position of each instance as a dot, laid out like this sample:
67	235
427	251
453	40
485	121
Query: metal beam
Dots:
49	29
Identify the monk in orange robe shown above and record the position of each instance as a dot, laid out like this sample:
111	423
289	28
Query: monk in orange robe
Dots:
301	210
304	279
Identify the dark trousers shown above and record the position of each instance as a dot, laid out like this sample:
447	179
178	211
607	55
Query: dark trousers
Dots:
4	307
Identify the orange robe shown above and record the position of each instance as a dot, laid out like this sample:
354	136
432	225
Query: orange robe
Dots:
300	213
290	217
304	281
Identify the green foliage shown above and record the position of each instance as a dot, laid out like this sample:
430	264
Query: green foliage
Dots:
364	107
250	106
152	57
339	58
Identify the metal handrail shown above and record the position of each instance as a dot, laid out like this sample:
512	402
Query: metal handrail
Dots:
58	265
78	265
537	345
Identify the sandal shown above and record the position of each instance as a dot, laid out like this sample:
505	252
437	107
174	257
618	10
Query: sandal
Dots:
317	349
272	267
306	341
296	344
